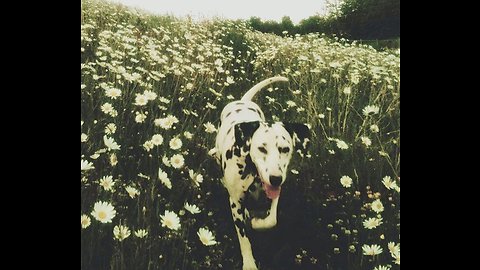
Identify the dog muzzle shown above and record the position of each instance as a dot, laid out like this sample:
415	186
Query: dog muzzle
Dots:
271	191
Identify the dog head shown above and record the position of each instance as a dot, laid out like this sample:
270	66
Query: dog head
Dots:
271	147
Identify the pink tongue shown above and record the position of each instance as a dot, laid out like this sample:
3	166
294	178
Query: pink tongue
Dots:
271	191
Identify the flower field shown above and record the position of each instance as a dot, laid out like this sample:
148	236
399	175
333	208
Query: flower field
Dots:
152	89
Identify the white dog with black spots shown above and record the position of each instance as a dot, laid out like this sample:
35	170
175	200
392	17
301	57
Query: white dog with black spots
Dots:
254	153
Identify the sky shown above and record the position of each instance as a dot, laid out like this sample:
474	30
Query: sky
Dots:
232	9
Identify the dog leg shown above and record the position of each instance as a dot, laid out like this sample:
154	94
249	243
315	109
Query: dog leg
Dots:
269	221
238	211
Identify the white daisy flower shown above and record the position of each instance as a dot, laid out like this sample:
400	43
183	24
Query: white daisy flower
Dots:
192	208
188	135
141	100
107	108
164	100
382	267
121	232
85	221
372	223
291	104
170	220
388	182
167	122
113	93
371	250
366	141
132	192
370	110
150	95
374	128
163	177
393	248
148	145
197	178
86	165
209	127
346	181
347	90
177	161
377	206
107	183
141	233
396	257
157	139
113	159
110	128
110	143
140	117
166	161
206	237
175	143
103	212
341	144
84	137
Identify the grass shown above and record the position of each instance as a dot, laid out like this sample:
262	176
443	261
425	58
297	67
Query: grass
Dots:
190	70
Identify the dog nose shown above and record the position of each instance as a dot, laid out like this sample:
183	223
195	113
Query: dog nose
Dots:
275	180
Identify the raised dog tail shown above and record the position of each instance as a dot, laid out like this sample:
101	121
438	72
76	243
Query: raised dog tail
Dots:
250	93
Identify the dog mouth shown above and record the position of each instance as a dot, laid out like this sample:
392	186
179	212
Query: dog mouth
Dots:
271	191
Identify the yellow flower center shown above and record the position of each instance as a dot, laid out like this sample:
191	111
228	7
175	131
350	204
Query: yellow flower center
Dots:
102	215
168	223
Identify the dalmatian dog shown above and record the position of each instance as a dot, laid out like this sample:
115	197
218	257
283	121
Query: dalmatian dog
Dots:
254	154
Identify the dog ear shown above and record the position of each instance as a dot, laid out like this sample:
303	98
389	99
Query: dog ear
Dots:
300	134
244	131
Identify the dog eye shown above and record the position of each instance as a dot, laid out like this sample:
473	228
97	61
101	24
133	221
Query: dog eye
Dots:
283	149
262	149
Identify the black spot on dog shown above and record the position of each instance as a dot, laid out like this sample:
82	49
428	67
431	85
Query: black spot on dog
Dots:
236	151
228	114
263	150
253	110
241	227
229	130
240	103
240	172
241	210
246	148
240	166
224	165
250	167
233	205
228	154
238	110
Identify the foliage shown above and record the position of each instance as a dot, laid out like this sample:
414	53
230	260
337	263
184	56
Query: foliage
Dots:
146	77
